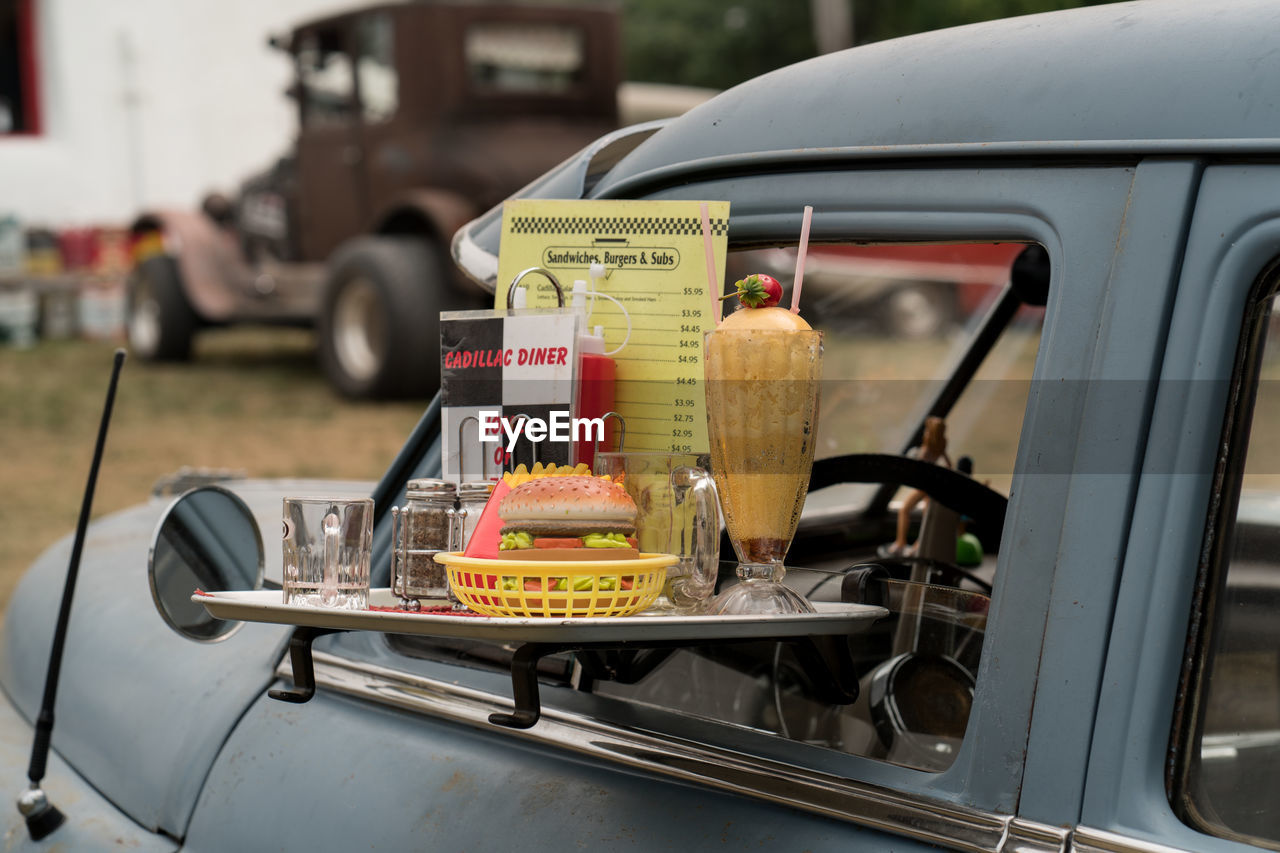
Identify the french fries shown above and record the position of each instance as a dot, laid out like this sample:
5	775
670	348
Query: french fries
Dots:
523	475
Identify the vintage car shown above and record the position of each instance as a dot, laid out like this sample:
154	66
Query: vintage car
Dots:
1103	676
412	119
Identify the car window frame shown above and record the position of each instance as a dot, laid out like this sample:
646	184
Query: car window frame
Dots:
1080	214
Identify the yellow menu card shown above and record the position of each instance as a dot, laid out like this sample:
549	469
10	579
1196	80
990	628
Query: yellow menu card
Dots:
655	265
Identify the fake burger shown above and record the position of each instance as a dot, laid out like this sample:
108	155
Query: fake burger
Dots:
568	518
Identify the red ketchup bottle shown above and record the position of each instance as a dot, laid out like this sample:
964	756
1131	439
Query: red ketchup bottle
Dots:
596	375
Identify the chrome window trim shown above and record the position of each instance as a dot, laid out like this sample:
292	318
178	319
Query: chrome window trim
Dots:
1089	840
797	787
1027	836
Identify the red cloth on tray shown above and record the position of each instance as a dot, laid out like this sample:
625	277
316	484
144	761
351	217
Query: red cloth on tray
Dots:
428	611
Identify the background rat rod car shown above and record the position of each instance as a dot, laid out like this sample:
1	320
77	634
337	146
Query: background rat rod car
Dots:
412	119
1118	688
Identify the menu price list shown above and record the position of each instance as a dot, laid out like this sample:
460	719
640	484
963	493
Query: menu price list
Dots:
654	330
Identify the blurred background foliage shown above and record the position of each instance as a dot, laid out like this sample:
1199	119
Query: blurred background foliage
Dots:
719	43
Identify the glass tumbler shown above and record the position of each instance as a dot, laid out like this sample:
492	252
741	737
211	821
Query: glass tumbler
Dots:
676	513
328	544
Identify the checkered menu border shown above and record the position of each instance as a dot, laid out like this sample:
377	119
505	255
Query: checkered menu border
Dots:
671	226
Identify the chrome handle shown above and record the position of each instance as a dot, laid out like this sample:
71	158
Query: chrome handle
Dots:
704	559
547	274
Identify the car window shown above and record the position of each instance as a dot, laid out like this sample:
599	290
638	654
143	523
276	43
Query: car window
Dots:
379	83
524	58
325	77
897	322
1227	752
897	318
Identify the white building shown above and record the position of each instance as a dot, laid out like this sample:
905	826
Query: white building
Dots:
139	103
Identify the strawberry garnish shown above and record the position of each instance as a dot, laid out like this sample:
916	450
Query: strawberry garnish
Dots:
757	291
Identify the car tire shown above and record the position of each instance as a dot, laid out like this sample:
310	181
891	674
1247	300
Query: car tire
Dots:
159	321
919	310
379	325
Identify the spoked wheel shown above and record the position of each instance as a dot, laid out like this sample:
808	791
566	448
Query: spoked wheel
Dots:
160	323
379	329
359	330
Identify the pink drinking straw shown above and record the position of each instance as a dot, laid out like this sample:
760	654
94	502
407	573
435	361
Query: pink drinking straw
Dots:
713	281
804	249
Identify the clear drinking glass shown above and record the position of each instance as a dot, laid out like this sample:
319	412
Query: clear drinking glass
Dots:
762	419
676	513
327	548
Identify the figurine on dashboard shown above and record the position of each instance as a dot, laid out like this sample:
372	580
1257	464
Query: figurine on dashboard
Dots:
932	448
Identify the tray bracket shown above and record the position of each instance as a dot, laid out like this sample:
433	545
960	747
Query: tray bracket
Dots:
304	673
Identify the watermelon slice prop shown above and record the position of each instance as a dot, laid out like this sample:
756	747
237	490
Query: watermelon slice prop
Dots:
486	537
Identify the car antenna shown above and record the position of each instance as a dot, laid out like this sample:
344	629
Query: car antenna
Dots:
41	815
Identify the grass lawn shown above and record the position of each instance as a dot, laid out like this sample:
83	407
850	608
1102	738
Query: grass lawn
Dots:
251	400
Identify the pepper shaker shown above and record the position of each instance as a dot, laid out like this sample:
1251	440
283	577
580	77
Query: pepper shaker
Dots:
419	531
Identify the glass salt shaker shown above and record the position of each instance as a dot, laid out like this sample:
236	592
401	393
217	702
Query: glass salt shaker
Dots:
419	531
471	500
472	497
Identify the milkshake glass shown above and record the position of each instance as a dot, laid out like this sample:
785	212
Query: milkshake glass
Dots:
762	411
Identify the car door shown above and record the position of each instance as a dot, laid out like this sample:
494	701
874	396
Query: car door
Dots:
1183	753
331	187
692	756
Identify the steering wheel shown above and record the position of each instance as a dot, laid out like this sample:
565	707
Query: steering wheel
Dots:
958	492
954	490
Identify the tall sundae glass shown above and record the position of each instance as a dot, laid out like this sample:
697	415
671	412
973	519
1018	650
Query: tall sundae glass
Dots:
763	367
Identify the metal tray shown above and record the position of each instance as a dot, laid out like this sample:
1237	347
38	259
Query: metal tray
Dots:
268	606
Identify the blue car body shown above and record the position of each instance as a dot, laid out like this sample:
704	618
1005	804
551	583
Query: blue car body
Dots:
1139	145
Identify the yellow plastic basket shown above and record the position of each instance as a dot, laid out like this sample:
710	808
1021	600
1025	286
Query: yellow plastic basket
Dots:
557	590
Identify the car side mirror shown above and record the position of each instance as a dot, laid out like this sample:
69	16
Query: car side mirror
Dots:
207	539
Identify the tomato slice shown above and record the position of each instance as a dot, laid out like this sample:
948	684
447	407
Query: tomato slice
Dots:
631	540
550	542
